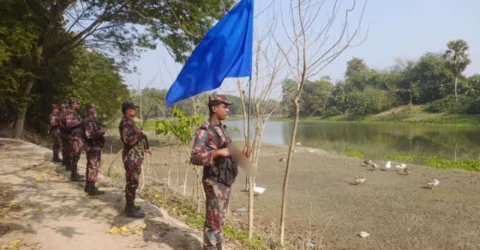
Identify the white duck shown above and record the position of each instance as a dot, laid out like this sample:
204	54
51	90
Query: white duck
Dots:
258	190
387	166
359	180
433	183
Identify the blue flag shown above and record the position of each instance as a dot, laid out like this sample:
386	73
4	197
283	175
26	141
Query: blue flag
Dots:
225	51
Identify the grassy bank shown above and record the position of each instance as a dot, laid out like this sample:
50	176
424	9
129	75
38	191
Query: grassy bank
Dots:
403	114
433	162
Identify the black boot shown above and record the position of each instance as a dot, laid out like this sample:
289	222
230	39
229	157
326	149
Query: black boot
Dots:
92	190
56	158
132	212
74	176
135	207
219	246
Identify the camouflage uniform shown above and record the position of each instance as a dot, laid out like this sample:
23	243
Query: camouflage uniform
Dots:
210	137
132	157
55	132
94	141
73	126
64	139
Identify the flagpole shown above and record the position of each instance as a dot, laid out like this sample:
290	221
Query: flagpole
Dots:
248	121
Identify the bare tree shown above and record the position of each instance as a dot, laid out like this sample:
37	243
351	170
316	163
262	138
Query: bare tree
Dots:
268	63
311	46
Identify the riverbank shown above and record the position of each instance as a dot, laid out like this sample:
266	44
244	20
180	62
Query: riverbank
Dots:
403	114
324	208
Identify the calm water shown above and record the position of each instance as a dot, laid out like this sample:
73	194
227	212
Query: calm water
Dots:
376	140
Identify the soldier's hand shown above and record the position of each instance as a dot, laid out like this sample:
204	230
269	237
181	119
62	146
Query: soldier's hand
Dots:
246	151
102	131
143	133
224	152
149	151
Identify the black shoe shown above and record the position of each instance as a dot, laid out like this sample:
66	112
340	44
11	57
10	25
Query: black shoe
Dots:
132	212
135	207
219	246
56	159
92	190
68	168
76	178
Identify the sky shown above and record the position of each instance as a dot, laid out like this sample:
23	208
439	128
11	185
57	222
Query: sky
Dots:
396	29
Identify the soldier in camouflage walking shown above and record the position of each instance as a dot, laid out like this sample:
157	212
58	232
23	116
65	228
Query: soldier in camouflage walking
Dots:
55	132
132	157
94	141
64	137
219	171
73	127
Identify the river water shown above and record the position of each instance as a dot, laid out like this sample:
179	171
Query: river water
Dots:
376	141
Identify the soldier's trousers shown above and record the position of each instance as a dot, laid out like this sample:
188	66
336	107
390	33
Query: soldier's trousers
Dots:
56	143
75	146
217	199
93	163
132	161
65	150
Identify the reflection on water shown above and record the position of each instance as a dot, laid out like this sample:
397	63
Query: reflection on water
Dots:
377	140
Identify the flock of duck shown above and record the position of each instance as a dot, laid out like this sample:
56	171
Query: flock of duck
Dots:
402	167
369	163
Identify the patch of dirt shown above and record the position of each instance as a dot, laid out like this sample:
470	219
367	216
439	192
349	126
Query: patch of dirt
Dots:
323	207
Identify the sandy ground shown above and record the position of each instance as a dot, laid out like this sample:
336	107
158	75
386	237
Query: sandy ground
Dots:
323	207
41	209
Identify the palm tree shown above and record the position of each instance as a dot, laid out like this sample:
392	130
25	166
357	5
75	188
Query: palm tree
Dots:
457	59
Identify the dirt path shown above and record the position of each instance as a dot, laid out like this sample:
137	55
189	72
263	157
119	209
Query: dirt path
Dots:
41	209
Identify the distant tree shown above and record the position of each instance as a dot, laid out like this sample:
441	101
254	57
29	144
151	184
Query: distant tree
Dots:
456	57
355	65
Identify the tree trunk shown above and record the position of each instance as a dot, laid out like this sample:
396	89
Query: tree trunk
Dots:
287	171
20	121
456	80
251	181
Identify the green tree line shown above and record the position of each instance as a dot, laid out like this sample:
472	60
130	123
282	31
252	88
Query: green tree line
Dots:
435	80
52	50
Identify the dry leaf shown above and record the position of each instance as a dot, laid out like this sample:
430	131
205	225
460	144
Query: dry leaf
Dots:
138	232
124	229
114	230
6	217
15	244
144	226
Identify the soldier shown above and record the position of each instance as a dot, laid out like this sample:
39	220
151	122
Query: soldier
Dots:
63	137
132	157
219	171
94	141
55	132
73	127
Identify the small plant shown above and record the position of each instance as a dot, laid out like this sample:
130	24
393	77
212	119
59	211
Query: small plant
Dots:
469	165
399	158
355	154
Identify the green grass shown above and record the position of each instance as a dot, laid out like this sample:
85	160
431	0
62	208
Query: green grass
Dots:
432	161
185	209
403	114
355	154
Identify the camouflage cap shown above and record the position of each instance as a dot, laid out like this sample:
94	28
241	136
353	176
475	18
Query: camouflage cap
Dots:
217	99
91	106
128	105
74	100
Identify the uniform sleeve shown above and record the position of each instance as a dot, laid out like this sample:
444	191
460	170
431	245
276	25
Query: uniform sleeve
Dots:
91	131
130	134
54	121
200	155
71	121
